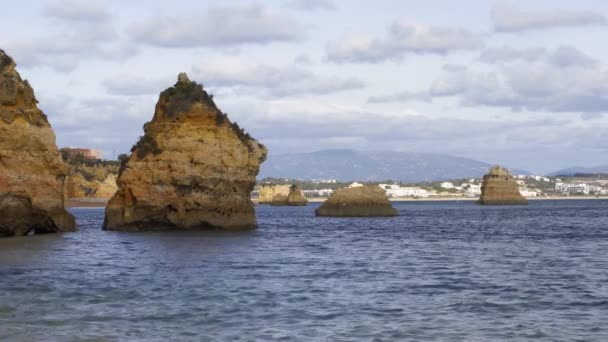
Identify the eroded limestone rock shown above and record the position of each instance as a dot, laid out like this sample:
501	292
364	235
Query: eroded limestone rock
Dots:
364	201
293	198
31	169
499	188
191	169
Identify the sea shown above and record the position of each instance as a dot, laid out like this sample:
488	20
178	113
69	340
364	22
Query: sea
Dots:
441	271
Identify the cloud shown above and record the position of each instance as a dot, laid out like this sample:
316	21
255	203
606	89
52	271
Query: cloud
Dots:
404	96
563	80
404	36
272	81
133	85
221	26
302	59
510	19
77	10
563	56
311	5
509	54
85	31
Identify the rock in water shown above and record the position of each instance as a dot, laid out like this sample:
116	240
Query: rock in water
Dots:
31	169
269	191
192	168
293	199
499	187
364	201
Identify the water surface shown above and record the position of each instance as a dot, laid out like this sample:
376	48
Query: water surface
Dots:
440	271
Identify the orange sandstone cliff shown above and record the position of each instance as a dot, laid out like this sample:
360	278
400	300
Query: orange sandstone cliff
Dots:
31	169
191	169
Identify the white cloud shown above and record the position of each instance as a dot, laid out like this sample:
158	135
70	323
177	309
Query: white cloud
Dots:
85	31
78	10
273	81
562	80
222	26
507	18
404	36
311	5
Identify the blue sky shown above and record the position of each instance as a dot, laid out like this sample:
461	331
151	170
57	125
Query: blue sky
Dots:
519	83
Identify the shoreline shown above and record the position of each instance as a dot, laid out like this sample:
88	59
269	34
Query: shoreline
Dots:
101	202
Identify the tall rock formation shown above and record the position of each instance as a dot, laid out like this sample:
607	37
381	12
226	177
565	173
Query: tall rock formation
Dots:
31	169
294	198
499	187
364	201
269	191
191	169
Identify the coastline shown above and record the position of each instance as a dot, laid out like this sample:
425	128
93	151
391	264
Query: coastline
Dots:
101	202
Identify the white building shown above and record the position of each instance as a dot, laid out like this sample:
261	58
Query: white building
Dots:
355	185
528	192
394	190
447	185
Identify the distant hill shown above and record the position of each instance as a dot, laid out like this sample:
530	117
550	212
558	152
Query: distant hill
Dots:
350	165
579	170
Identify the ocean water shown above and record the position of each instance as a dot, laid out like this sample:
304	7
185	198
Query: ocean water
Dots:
442	271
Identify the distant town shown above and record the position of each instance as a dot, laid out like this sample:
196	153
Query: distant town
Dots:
530	186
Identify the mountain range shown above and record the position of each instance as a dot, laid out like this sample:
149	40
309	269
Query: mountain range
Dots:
581	170
351	165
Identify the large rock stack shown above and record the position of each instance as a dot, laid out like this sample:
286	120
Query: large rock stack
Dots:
499	188
192	168
31	169
364	201
294	198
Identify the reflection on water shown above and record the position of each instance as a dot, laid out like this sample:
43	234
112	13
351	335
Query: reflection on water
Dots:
440	271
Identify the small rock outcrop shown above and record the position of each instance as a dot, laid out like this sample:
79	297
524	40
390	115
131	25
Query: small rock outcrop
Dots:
364	201
269	191
499	188
295	198
191	169
31	169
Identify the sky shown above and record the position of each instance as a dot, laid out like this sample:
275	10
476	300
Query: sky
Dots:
518	83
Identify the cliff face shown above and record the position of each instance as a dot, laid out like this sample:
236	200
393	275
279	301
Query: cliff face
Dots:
192	168
95	181
269	191
31	169
364	201
499	187
293	198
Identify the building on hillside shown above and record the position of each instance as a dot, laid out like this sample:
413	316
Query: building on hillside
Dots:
447	185
526	192
355	185
394	190
318	193
85	152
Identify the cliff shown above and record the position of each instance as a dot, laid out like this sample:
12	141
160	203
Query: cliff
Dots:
91	180
293	198
499	187
191	169
269	191
31	170
364	201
